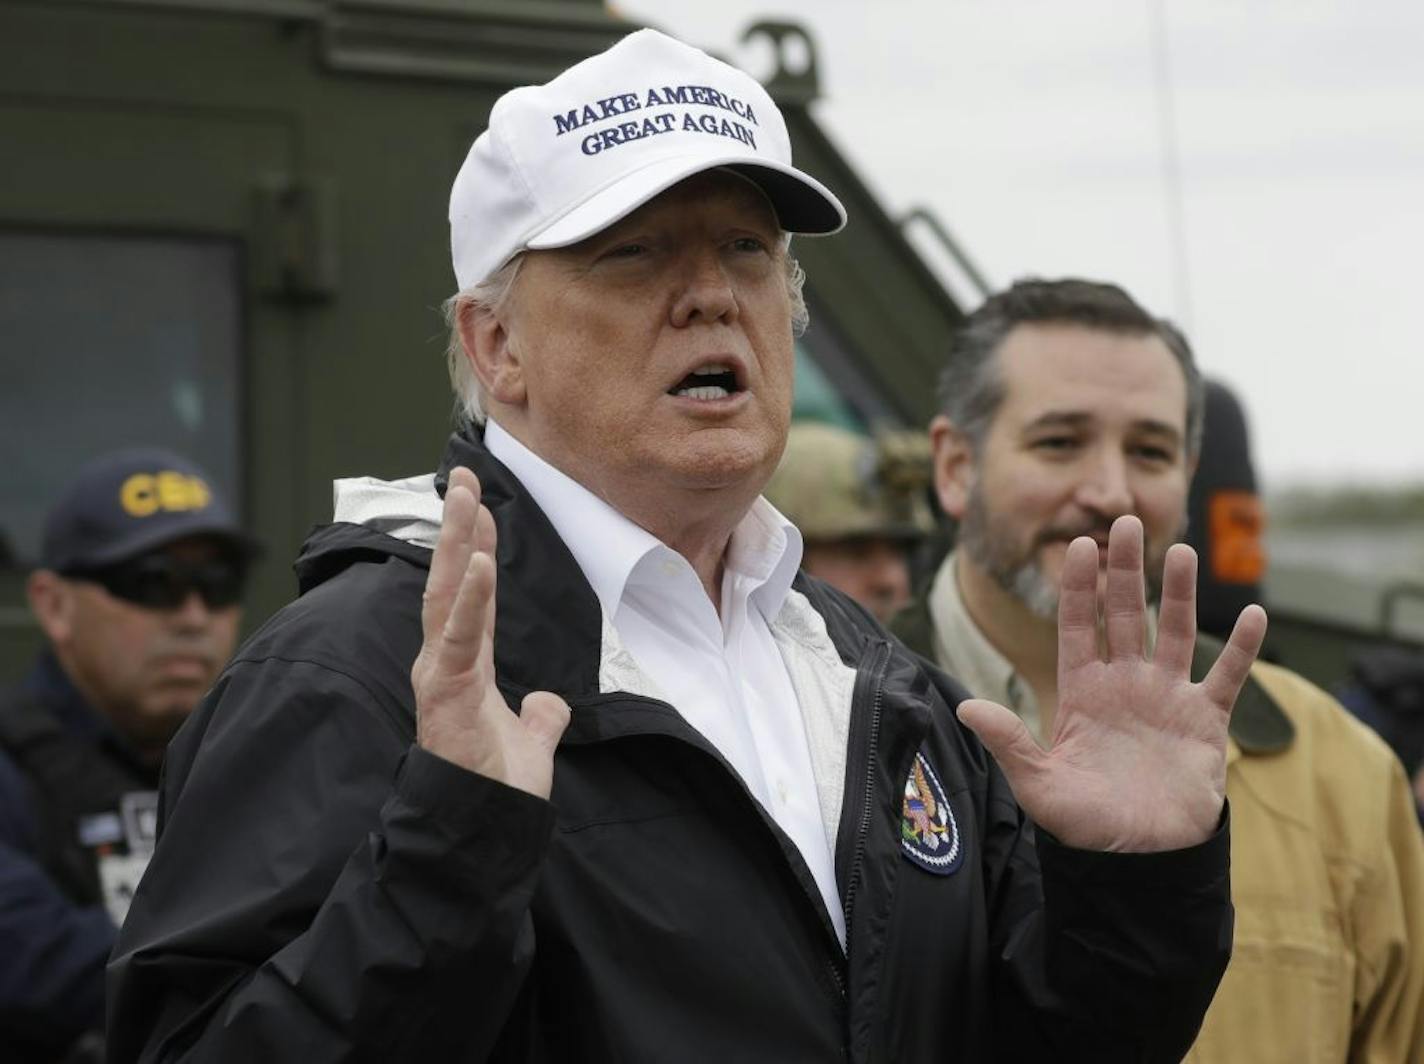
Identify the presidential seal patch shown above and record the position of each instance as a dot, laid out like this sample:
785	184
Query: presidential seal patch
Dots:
929	834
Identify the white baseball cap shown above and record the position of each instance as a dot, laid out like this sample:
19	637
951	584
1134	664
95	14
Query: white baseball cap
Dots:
562	161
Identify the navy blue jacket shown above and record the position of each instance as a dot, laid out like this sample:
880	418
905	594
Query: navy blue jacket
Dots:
55	933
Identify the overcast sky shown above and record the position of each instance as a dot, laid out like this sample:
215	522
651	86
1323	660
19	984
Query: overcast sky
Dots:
1041	134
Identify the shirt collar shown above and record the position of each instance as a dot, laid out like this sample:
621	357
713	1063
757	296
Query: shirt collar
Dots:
766	549
608	547
976	662
970	657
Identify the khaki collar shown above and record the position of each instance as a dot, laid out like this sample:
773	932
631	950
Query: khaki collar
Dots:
1258	725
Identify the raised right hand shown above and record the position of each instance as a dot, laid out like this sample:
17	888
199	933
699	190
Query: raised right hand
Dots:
460	714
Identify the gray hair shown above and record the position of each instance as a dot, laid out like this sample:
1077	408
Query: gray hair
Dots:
493	293
971	388
490	295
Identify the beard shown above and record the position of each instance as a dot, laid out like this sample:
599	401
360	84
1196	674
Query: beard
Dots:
990	543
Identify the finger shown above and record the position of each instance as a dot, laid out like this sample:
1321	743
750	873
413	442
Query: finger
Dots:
1177	617
486	539
452	552
1223	682
545	716
1078	606
463	636
1005	737
1125	600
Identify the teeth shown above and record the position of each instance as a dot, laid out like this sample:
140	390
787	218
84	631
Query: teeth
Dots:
714	391
714	368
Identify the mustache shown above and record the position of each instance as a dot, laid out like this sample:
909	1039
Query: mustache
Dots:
1066	533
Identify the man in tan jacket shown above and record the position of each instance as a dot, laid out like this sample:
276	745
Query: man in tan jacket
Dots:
1066	405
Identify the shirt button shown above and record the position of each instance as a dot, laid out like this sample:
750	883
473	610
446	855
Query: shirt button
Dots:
781	795
669	568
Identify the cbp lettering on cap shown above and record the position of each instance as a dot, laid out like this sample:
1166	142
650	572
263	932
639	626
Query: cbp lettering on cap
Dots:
144	494
137	594
560	756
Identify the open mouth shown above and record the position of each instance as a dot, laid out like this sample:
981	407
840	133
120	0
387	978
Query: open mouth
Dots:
712	381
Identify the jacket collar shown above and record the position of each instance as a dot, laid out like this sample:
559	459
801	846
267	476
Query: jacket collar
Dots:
549	629
1258	726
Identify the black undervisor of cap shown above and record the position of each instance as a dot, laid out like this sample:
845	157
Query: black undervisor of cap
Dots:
799	207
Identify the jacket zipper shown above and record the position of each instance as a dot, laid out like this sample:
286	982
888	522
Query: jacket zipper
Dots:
876	678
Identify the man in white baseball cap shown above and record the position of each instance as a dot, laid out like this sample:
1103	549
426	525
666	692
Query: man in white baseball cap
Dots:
559	756
563	161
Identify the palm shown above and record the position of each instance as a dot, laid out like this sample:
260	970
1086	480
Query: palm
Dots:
460	713
1138	761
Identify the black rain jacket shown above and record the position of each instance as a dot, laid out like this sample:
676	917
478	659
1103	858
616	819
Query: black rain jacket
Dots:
324	890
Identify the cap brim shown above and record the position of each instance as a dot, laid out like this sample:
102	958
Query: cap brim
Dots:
244	544
802	204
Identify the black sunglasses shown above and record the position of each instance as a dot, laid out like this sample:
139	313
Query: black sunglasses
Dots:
160	582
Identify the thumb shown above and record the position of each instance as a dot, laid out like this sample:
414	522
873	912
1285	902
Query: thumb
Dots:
545	716
1005	737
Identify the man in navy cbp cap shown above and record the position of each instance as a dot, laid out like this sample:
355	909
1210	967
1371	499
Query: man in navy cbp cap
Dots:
141	571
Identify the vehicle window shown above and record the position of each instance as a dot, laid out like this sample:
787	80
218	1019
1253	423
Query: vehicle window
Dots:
107	341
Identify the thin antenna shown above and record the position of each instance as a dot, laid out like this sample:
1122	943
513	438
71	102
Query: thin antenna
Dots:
1171	162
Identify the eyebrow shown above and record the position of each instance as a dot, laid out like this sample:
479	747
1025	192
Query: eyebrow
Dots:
1076	420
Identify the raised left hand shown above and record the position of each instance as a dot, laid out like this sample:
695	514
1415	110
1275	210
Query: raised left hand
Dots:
1138	760
459	712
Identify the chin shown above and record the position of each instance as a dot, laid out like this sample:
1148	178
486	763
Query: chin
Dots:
178	699
721	464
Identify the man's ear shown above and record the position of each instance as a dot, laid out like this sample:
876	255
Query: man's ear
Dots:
496	364
953	466
52	603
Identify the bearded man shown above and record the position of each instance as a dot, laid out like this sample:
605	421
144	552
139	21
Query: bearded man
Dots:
1068	408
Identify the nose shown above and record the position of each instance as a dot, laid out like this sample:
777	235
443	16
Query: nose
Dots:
706	294
192	613
1105	487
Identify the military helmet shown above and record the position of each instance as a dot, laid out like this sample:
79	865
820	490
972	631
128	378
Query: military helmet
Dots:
833	483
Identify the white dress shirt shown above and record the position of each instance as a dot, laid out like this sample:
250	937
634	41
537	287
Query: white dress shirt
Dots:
724	674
